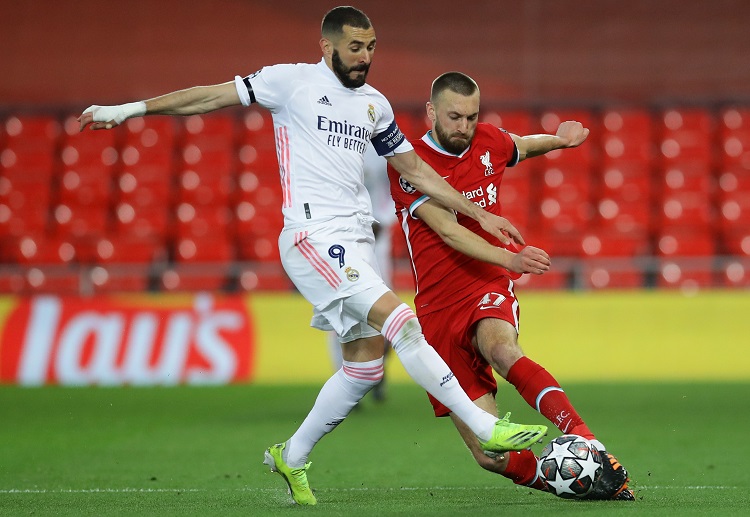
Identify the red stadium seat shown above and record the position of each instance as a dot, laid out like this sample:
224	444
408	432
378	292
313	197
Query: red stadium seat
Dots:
251	221
565	203
263	277
626	136
256	130
208	249
262	162
551	280
207	161
734	134
151	134
734	180
12	281
196	277
685	241
31	132
736	273
217	130
25	194
35	250
259	247
75	222
259	188
516	122
85	187
734	211
612	274
114	249
29	220
257	148
687	208
683	178
123	263
624	201
25	165
686	274
558	243
735	241
88	148
608	242
202	221
686	136
159	158
61	280
142	222
258	233
201	189
119	279
142	193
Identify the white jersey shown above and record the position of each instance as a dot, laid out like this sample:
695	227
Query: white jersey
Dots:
322	130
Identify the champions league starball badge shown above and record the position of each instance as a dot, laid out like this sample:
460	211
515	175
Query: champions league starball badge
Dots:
406	186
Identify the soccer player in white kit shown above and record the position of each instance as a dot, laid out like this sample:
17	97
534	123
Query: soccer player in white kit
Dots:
324	117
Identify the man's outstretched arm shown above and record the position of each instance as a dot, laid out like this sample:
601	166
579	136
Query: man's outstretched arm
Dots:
569	134
191	101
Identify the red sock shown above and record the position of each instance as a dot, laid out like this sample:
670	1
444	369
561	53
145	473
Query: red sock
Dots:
522	469
542	392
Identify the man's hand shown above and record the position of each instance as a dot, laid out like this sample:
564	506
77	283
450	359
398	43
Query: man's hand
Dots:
501	228
87	117
572	133
530	260
107	117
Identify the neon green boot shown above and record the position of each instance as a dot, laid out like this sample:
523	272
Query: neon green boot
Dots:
296	479
508	436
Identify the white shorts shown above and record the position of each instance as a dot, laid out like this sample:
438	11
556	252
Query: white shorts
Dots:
333	265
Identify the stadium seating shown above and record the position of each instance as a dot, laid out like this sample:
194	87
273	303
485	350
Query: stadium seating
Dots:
654	198
734	138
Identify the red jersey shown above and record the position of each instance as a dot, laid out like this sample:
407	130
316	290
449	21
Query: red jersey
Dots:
443	275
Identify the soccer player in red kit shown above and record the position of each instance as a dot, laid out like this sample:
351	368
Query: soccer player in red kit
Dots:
464	276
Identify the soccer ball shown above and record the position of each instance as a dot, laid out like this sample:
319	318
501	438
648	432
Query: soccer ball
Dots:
570	465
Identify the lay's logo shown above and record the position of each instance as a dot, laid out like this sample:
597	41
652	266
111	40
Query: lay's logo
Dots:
131	340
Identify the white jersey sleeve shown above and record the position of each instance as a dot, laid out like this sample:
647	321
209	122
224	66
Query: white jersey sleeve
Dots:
270	86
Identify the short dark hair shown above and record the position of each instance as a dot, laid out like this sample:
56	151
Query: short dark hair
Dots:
456	82
336	18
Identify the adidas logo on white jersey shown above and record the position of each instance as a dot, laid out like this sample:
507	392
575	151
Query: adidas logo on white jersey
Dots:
324	100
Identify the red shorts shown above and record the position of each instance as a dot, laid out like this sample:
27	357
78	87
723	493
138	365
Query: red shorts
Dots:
450	331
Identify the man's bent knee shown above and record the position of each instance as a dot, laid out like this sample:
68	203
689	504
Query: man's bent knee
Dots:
363	349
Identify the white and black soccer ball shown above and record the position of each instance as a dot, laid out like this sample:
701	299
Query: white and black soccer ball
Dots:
570	464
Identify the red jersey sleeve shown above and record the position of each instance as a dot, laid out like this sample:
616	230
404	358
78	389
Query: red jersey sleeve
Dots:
404	195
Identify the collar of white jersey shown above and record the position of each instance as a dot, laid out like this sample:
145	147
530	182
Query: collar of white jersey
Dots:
429	140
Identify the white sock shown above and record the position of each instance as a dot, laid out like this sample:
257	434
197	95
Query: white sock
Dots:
428	369
336	399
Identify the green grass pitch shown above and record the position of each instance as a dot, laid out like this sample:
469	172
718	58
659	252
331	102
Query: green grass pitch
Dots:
198	451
